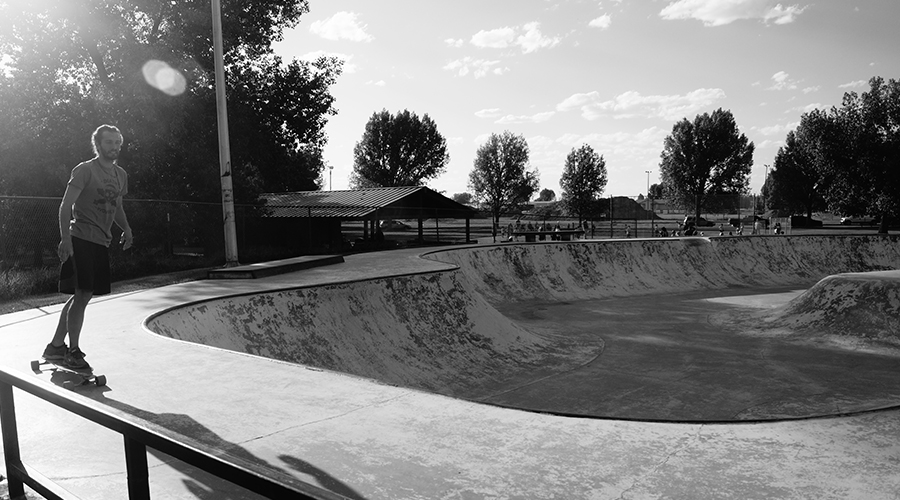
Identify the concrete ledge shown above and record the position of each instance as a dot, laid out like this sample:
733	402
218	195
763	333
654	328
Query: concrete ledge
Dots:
272	268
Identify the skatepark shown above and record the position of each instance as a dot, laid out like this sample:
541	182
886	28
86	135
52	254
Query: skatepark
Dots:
746	367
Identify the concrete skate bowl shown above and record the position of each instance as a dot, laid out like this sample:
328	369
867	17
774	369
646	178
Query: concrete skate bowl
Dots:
656	330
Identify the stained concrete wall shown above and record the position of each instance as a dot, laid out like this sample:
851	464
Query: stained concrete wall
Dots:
441	332
591	270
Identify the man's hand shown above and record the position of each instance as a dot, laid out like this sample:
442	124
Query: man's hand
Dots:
127	239
64	251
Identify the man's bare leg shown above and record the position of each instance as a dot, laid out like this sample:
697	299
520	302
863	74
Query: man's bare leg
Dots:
71	319
76	315
62	329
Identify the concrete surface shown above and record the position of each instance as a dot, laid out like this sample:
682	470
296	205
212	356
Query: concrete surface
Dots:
412	322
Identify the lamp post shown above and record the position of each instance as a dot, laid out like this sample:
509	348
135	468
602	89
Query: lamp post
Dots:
330	168
231	254
649	203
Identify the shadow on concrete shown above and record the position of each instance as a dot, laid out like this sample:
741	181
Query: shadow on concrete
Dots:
204	485
323	478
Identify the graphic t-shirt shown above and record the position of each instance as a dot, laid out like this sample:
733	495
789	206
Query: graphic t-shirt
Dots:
95	209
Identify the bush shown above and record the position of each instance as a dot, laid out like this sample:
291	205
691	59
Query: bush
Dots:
17	283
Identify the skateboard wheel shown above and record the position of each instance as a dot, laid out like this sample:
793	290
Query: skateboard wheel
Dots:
36	365
100	380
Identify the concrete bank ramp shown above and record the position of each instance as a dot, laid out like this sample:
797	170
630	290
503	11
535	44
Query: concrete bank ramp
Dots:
431	332
854	308
444	332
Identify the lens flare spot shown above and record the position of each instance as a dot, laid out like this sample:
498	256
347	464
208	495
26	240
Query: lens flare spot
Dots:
163	77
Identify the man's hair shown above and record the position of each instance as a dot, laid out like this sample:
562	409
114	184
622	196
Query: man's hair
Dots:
98	134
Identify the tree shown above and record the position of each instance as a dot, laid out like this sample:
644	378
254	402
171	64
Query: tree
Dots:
546	195
583	180
462	198
704	160
795	185
75	64
500	178
401	150
861	171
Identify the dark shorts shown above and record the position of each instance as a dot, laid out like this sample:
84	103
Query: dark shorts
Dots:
87	269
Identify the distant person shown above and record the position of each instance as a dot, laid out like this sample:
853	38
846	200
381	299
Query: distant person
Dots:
627	231
509	232
91	204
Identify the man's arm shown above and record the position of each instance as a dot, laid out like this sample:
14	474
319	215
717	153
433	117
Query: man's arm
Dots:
64	251
122	221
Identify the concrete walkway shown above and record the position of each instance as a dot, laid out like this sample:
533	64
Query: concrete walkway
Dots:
368	440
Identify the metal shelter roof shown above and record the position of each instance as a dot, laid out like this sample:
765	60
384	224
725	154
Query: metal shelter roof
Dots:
410	202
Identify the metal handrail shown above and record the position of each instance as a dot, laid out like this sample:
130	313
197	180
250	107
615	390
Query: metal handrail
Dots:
137	439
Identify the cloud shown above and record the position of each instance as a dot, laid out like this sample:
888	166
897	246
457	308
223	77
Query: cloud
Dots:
454	42
533	39
782	81
853	85
341	26
478	67
815	88
620	149
633	104
536	118
528	37
499	38
601	22
781	130
721	12
488	113
379	83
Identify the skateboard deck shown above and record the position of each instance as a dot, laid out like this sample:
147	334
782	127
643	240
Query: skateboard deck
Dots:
57	365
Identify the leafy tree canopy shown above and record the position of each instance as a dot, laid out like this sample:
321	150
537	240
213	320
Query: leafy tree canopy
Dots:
147	67
861	168
500	179
401	150
546	195
583	180
795	179
463	198
705	159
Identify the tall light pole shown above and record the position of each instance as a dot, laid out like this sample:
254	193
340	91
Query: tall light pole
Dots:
649	205
330	168
231	254
766	197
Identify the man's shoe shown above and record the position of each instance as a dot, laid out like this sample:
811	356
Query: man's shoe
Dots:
75	359
53	353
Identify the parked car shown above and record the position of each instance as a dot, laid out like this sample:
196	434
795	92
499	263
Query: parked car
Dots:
701	222
393	225
861	221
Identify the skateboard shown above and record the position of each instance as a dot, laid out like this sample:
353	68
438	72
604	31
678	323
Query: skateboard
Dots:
86	376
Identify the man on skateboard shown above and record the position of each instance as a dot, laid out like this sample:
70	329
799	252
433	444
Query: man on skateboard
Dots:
92	202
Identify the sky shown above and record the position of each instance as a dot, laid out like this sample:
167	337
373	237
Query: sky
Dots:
614	74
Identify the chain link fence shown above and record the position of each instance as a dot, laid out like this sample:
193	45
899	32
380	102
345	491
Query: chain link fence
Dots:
29	229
